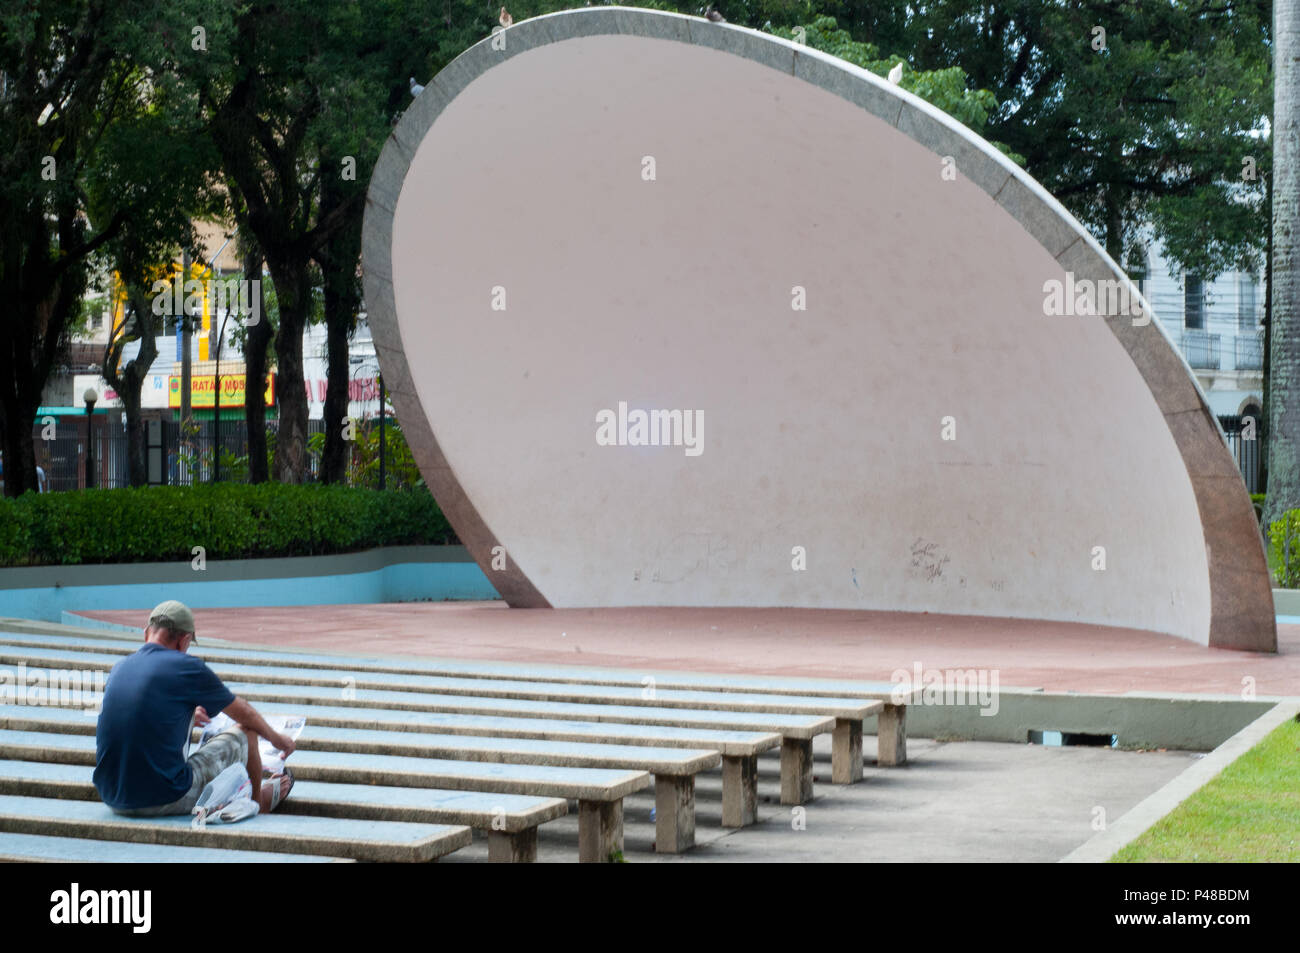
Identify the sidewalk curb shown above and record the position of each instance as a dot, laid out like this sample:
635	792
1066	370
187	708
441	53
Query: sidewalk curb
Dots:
1136	822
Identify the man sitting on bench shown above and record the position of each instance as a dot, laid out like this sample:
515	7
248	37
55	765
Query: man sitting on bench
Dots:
150	702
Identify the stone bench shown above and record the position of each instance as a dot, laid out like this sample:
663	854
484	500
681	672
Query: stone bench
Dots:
891	723
385	841
599	791
796	732
509	820
45	848
674	769
796	753
738	749
739	772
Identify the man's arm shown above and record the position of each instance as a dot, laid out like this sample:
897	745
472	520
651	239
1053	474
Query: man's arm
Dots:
247	716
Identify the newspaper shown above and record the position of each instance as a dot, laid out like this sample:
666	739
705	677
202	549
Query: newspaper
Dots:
227	799
272	757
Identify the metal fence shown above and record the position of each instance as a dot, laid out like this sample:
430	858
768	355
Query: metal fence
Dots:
172	457
1243	441
174	460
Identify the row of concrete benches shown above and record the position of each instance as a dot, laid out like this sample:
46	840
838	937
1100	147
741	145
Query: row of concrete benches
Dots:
351	838
372	722
663	690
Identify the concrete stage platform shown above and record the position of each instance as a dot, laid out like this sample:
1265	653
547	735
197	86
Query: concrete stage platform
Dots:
1054	656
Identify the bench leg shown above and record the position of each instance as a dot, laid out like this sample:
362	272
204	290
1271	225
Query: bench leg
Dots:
600	830
891	735
674	813
846	751
519	847
796	770
739	791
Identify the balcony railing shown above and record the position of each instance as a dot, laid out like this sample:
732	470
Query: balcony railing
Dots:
1201	350
1250	352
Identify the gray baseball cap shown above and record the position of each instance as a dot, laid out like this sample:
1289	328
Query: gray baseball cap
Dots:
176	614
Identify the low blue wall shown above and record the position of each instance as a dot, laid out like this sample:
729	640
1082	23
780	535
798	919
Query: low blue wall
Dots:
405	575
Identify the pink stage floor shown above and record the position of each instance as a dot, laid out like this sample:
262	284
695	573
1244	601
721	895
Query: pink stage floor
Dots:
1055	656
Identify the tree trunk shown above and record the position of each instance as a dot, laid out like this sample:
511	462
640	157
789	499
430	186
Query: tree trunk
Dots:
293	292
40	300
1284	365
255	348
1262	428
338	262
137	468
129	381
340	315
1114	228
19	450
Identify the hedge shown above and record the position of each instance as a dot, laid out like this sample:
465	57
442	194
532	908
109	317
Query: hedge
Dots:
1284	549
229	520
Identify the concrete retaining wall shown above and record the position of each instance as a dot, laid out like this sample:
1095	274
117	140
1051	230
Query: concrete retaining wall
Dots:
392	574
1193	723
1286	601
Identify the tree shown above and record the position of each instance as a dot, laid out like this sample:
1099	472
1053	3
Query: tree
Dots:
281	84
947	88
154	175
1134	115
257	342
338	259
351	136
137	324
64	80
1284	381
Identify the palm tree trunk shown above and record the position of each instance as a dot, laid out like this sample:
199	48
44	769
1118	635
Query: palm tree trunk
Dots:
1284	330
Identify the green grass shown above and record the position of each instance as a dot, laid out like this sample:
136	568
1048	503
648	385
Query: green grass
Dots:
1250	812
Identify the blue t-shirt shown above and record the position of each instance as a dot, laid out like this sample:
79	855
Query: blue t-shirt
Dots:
140	739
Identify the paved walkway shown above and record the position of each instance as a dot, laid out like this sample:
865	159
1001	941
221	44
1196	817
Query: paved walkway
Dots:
972	801
1055	656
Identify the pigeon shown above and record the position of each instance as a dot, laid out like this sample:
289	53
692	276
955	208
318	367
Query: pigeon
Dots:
713	16
896	73
505	19
416	88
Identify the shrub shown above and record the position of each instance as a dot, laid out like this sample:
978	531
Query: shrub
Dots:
1284	547
229	520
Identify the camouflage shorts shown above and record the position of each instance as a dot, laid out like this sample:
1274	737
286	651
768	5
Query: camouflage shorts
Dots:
229	747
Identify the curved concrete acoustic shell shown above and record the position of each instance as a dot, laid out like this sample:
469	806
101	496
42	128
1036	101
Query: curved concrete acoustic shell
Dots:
526	272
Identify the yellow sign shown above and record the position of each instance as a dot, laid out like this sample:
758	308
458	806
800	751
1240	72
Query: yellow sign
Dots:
202	393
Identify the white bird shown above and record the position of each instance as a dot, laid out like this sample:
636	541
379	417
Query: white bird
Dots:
505	19
416	88
896	73
713	15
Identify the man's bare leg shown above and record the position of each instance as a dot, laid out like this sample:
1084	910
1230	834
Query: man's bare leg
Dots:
254	762
254	765
264	799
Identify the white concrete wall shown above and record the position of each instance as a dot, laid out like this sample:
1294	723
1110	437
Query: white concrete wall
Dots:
822	427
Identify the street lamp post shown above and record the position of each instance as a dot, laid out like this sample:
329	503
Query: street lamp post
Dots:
216	402
90	397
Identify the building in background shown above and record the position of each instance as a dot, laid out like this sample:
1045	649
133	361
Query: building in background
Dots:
1218	327
61	448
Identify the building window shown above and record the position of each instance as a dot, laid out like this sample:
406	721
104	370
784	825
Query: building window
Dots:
1193	303
1247	318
